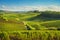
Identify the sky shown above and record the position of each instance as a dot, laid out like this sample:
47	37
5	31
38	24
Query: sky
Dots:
28	5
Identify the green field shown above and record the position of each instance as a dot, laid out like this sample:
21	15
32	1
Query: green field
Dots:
30	25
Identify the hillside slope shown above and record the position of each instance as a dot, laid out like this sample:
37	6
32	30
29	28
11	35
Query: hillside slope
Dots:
36	21
46	16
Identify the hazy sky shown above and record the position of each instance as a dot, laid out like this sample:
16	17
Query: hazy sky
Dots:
26	5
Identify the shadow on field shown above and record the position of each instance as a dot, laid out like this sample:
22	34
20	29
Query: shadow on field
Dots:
46	17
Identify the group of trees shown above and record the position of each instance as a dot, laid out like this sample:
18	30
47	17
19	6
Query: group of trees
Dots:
50	14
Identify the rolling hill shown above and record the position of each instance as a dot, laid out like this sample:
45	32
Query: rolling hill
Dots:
29	20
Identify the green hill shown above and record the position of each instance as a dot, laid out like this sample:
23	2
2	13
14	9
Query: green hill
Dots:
29	20
46	16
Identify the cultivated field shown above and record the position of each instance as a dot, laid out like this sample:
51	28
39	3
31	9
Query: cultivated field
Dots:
32	25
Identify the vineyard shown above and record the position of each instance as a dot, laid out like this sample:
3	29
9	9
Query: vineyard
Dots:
30	35
30	25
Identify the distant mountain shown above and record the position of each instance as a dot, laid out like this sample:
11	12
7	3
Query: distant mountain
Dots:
1	10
